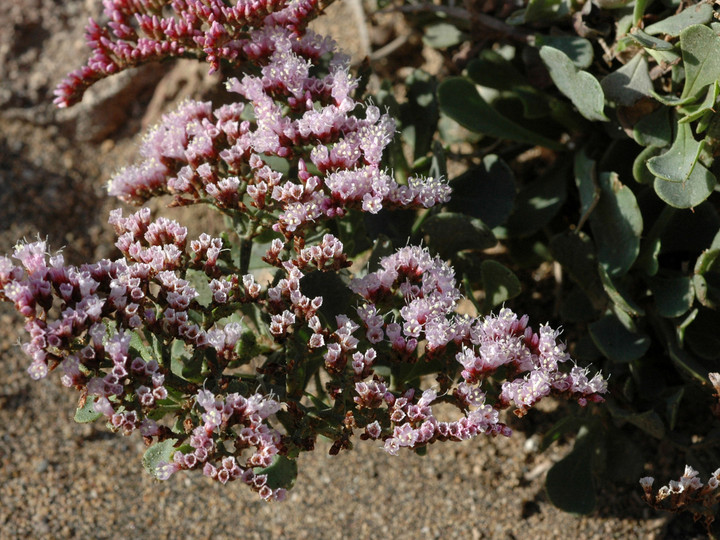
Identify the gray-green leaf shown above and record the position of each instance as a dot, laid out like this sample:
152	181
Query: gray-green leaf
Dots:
650	42
538	202
499	283
486	192
460	100
678	163
701	57
672	26
630	83
87	413
442	35
579	86
617	342
707	106
654	129
570	483
698	187
578	49
673	296
450	233
617	225
158	453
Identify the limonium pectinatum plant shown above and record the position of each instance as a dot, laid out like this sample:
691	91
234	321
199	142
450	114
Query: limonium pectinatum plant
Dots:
234	375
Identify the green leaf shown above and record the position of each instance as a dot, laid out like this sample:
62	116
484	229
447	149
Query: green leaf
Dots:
580	87
641	174
630	83
707	293
700	48
576	307
451	132
672	100
352	230
672	406
639	11
570	484
624	457
647	260
616	342
678	163
539	10
460	100
655	129
189	367
649	421
543	10
564	426
586	182
383	247
281	473
673	296
575	252
535	103
201	283
650	42
538	202
707	259
686	362
579	50
492	70
419	115
673	25
442	35
450	233
158	453
682	326
499	283
438	161
138	345
698	187
617	225
694	111
87	413
277	163
486	192
618	295
393	157
612	4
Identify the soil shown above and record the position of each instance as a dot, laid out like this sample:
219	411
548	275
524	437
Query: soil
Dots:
65	480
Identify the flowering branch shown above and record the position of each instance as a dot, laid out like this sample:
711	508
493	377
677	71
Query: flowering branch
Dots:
689	494
141	31
221	373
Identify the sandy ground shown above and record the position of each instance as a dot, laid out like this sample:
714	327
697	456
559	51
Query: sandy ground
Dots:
64	480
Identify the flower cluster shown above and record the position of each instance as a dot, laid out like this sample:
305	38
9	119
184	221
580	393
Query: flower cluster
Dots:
219	370
480	346
141	31
688	494
222	156
244	417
